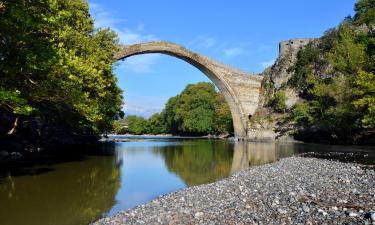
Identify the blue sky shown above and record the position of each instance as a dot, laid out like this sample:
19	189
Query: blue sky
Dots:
240	33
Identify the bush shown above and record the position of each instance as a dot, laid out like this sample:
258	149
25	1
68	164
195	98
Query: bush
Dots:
301	113
277	102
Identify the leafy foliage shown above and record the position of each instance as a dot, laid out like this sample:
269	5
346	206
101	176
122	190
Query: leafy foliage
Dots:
301	113
54	65
309	60
155	125
335	76
136	124
198	110
277	102
13	101
365	12
364	91
347	56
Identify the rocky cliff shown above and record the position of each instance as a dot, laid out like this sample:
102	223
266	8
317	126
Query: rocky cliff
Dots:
265	124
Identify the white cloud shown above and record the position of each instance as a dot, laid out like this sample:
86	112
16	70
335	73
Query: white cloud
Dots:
127	36
102	18
231	52
144	106
266	64
140	63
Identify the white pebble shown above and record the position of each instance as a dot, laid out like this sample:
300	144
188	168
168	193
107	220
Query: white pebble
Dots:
198	214
373	216
322	212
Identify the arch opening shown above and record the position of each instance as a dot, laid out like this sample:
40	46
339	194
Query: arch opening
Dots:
213	70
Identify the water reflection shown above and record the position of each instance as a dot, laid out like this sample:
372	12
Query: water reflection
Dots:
138	171
143	173
71	193
247	154
200	161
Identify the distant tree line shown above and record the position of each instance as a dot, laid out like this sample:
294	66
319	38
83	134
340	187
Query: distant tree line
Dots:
198	110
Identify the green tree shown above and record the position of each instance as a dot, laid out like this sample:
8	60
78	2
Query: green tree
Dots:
277	102
365	12
332	102
222	118
307	62
136	124
56	69
302	114
198	110
347	56
364	90
171	121
155	124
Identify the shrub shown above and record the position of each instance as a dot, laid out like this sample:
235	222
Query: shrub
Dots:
277	102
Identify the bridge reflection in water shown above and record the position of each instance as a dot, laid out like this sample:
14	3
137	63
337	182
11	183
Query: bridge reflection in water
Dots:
248	154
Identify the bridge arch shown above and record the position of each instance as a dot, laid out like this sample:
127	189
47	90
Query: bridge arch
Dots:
227	79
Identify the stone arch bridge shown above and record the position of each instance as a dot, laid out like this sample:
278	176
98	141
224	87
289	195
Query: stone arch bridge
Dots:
241	90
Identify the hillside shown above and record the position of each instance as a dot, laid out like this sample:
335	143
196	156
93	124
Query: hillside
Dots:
323	89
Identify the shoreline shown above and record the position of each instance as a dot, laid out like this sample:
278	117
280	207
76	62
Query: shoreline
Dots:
113	137
294	190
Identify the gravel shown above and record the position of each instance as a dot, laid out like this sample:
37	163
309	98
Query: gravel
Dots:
294	190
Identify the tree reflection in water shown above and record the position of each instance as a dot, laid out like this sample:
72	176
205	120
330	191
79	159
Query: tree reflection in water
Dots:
74	193
203	161
199	161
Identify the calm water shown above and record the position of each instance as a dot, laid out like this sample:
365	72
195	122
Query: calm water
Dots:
78	192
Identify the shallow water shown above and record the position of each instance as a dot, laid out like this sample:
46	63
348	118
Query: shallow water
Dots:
77	192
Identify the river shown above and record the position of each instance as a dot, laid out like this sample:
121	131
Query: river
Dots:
80	191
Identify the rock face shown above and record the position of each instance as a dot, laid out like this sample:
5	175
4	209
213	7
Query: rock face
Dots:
262	127
288	51
279	73
240	89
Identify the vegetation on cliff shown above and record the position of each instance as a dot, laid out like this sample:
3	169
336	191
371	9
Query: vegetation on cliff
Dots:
198	110
334	77
56	83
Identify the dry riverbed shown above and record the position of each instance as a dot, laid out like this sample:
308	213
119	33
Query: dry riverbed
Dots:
294	190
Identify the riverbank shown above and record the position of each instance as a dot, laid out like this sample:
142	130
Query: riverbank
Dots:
125	137
294	190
